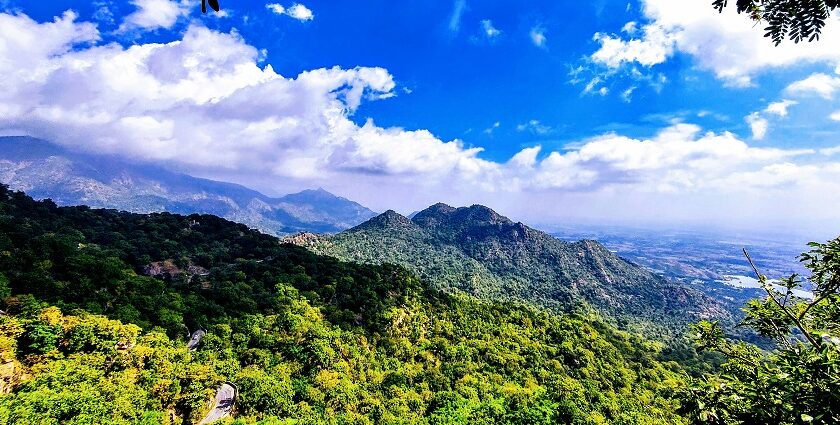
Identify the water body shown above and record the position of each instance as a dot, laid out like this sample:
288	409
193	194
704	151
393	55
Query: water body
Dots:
739	281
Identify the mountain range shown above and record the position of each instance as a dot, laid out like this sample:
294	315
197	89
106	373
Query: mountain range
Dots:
477	251
472	250
44	170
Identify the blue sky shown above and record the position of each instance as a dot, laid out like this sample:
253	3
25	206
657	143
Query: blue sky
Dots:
643	112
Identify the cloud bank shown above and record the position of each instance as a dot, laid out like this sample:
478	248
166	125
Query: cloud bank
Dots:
155	14
726	44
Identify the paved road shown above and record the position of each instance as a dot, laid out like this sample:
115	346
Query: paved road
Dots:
195	339
225	397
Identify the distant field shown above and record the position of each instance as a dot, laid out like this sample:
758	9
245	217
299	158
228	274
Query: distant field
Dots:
705	259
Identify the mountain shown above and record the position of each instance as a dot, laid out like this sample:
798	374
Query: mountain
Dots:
477	251
45	171
95	303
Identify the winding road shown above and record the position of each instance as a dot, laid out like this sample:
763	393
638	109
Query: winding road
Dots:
225	395
195	339
223	404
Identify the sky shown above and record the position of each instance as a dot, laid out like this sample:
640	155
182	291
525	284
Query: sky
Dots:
648	113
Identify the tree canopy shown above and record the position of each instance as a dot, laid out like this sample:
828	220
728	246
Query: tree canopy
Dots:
214	4
794	19
798	382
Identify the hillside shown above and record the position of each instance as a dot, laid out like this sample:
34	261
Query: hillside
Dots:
479	252
95	303
46	171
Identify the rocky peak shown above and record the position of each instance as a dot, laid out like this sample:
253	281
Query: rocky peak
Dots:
434	215
479	214
388	220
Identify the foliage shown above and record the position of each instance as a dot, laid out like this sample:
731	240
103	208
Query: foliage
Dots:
795	19
307	339
475	251
799	381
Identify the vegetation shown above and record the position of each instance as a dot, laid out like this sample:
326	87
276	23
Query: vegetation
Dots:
799	381
96	302
214	4
795	19
475	251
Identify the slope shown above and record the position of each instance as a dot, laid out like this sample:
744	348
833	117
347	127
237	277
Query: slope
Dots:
45	171
477	251
306	339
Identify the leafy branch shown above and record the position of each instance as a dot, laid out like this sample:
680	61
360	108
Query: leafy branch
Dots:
772	294
795	19
214	4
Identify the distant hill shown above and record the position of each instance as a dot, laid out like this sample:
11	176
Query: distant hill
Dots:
44	170
477	251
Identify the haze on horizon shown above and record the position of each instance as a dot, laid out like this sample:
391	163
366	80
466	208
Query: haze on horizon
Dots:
649	113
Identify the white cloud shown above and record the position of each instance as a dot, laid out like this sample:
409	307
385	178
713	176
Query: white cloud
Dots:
759	122
819	84
276	8
728	44
835	116
758	125
830	151
300	12
489	130
653	48
155	14
489	30
780	108
534	126
627	94
296	11
594	87
537	35
458	9
630	28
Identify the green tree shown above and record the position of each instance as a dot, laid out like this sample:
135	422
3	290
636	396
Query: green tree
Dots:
796	19
798	382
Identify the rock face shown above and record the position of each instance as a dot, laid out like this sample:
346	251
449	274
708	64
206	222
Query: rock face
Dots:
169	271
10	375
478	251
43	171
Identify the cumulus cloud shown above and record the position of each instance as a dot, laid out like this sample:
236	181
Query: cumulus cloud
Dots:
835	116
758	125
538	36
202	101
489	30
780	108
300	12
679	159
652	48
725	43
818	84
296	11
155	14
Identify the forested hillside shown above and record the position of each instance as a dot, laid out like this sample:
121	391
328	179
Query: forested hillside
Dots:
96	303
477	251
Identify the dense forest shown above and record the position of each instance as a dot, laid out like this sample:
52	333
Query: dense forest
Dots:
97	302
97	305
477	251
